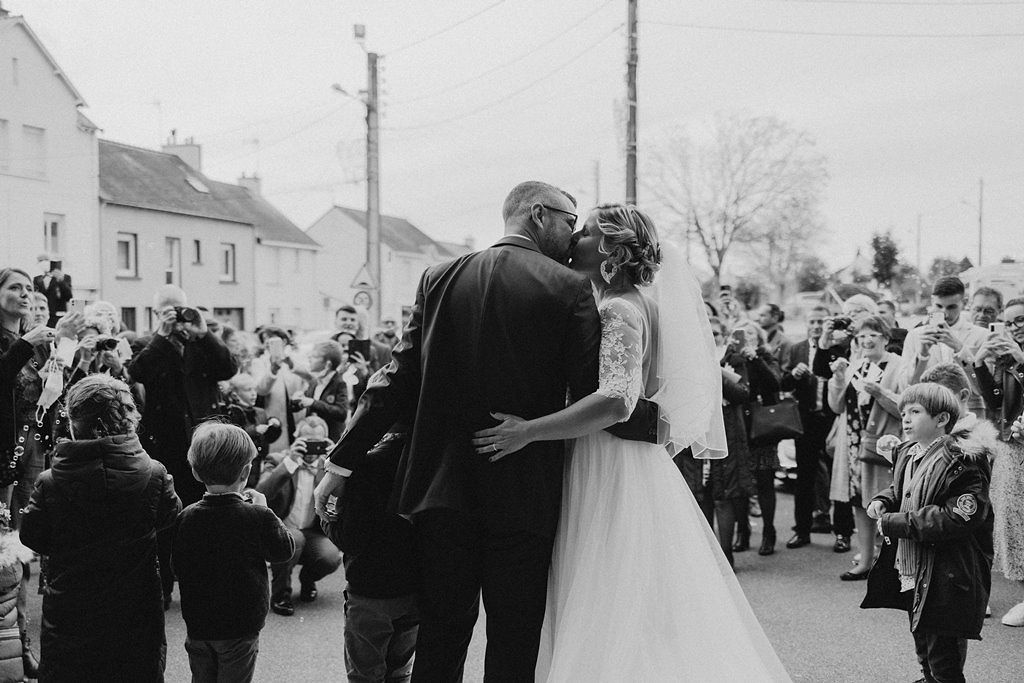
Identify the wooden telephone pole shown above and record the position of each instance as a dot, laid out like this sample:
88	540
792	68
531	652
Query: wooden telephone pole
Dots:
631	62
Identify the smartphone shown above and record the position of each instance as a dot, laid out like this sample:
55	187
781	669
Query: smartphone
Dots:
56	265
360	346
739	337
936	319
999	328
316	447
76	306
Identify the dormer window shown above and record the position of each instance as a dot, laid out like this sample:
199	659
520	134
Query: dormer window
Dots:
197	184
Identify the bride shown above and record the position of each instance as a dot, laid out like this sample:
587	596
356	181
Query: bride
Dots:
639	588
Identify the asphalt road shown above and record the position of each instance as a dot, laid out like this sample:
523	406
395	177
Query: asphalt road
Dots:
810	616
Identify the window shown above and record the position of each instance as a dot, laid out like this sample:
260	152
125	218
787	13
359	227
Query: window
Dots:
227	262
53	229
172	260
5	145
127	255
128	318
34	146
197	253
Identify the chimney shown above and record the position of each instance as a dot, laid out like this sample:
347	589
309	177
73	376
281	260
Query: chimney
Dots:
3	13
251	183
188	151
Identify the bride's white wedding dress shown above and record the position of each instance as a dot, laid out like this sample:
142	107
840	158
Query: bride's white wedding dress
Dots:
639	588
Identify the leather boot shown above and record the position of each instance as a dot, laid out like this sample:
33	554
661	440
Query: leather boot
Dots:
767	541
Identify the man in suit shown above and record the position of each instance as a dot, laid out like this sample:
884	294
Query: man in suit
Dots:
179	369
55	286
327	396
812	399
507	329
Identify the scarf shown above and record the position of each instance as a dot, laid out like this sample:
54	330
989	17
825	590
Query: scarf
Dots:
909	552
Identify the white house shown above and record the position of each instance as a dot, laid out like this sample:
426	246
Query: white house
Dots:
406	251
48	162
286	262
163	222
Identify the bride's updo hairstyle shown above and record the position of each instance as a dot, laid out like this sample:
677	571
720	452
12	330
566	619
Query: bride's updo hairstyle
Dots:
630	240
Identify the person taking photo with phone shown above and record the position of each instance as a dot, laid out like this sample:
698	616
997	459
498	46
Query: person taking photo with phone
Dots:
55	285
289	490
328	395
946	336
1002	387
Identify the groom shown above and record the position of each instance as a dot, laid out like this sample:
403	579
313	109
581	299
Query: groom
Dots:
508	329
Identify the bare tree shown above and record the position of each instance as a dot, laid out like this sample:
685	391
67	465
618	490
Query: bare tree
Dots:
756	181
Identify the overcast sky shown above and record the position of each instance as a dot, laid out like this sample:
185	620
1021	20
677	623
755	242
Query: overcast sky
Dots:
525	89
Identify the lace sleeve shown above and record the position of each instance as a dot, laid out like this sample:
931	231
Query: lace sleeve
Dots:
621	355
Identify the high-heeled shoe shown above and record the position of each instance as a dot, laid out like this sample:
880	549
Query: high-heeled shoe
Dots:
742	541
767	542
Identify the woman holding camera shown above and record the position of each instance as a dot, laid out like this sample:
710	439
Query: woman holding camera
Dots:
865	394
95	514
1003	391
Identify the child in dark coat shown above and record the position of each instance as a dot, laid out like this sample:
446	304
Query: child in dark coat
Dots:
221	546
381	613
242	411
937	523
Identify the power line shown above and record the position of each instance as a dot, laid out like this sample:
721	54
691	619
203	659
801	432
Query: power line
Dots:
830	34
444	30
287	136
512	94
455	86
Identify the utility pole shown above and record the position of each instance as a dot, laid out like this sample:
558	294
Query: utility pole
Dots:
981	201
631	62
373	187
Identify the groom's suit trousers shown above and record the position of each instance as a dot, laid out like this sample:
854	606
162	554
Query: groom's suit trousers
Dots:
462	556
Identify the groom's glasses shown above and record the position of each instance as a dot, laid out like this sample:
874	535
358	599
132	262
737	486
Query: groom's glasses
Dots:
572	222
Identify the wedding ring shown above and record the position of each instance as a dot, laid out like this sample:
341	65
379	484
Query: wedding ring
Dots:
494	447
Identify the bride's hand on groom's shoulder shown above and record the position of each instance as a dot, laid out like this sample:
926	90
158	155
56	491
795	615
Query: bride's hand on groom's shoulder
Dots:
511	435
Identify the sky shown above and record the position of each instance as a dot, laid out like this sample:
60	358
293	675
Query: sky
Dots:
912	105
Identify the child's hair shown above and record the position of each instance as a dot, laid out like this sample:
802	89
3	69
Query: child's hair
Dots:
219	452
935	399
949	375
234	382
312	421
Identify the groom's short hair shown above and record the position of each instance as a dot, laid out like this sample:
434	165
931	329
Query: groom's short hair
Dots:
525	195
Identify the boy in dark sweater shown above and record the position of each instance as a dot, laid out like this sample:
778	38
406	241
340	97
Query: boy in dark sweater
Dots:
381	614
221	546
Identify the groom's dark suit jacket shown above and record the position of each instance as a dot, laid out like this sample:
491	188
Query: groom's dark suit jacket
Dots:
507	330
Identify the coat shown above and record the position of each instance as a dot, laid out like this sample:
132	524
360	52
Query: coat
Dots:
332	405
95	514
58	294
955	526
1003	392
505	329
181	391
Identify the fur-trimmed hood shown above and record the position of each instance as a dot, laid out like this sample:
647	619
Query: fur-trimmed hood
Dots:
977	438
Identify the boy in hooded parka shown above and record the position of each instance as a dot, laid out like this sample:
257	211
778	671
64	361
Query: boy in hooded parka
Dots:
936	520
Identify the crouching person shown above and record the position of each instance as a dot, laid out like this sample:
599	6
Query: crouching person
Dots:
381	615
936	519
289	490
96	513
219	553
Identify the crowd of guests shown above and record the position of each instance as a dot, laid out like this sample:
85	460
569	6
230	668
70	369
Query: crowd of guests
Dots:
861	382
132	462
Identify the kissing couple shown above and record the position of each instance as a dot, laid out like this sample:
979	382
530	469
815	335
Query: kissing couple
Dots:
571	521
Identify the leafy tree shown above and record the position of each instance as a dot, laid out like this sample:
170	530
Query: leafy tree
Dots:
886	259
812	274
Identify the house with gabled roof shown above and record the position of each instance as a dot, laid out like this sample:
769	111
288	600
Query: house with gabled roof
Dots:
48	159
406	251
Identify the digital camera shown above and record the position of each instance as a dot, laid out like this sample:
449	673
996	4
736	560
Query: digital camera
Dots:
841	322
184	314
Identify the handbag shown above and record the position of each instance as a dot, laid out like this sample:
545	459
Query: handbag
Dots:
774	423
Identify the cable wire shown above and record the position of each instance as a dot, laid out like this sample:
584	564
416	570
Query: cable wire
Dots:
455	86
831	34
444	30
512	94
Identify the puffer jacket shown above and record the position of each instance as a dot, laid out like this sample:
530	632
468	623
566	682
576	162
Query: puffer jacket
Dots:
954	525
95	513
